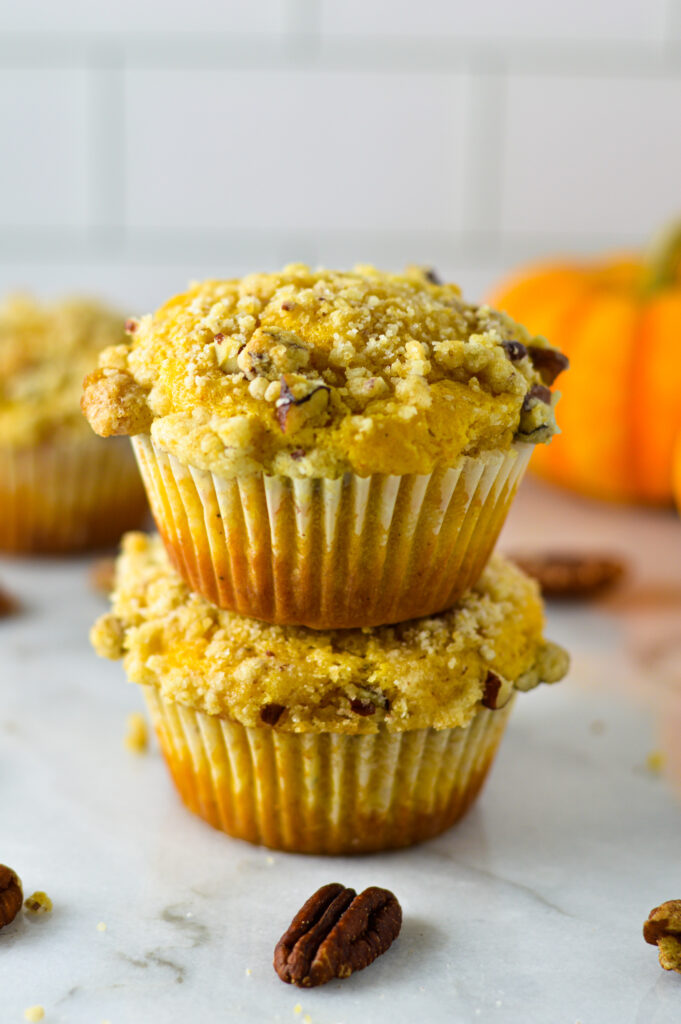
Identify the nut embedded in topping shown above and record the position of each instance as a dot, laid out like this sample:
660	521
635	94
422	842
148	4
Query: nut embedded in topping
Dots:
515	350
549	362
271	713
293	413
537	393
364	708
663	929
497	692
335	933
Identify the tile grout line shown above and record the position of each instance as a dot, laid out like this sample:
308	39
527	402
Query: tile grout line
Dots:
107	141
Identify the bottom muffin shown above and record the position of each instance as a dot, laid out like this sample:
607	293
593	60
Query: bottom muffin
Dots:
326	742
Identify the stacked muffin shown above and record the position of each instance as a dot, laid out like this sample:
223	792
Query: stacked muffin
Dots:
327	654
61	488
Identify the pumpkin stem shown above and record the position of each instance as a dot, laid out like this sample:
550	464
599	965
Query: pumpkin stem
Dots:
662	258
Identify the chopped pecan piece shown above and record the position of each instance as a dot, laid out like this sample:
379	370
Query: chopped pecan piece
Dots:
568	574
271	713
363	707
515	350
335	933
8	604
549	362
431	275
293	413
497	692
492	687
539	393
11	895
663	929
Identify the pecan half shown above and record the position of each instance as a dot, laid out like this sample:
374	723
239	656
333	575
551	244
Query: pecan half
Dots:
663	929
570	575
335	933
549	362
11	895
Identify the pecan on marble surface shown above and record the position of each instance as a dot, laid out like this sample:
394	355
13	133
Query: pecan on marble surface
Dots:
335	933
11	895
570	574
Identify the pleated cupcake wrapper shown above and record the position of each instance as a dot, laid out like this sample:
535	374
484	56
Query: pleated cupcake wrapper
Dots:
67	495
324	792
351	552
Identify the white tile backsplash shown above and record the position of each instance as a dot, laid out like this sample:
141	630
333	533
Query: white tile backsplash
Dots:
45	164
144	138
294	150
153	16
591	155
499	19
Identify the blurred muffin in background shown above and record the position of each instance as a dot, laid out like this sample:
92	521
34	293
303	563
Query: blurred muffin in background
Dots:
332	449
61	488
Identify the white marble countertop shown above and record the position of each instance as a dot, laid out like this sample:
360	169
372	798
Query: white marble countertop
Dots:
529	911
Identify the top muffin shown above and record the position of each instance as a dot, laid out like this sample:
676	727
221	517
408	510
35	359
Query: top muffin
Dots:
316	373
45	351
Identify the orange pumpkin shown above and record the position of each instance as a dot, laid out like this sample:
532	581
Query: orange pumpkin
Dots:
619	322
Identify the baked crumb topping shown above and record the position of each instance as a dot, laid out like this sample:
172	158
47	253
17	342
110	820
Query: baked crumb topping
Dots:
315	373
427	672
45	351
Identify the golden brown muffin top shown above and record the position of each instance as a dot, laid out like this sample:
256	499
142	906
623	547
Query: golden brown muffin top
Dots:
434	671
315	373
45	351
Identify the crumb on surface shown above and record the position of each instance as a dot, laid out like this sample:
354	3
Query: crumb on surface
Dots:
137	734
34	1013
101	575
655	762
298	1008
101	927
38	903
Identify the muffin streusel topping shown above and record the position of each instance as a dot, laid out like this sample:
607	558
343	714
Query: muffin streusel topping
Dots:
427	672
315	373
45	351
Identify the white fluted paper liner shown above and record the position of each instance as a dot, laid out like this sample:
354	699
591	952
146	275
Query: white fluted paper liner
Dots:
324	792
68	495
351	552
